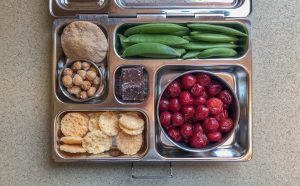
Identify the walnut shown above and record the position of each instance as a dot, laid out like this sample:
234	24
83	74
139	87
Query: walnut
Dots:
83	95
76	66
91	92
74	90
82	74
86	85
90	75
68	72
96	81
86	66
67	81
77	80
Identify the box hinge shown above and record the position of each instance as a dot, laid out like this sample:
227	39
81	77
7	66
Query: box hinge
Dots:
92	17
151	16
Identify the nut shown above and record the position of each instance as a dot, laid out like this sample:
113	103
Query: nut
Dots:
82	74
74	90
77	80
96	81
76	66
91	92
86	85
86	66
90	75
68	72
83	95
67	81
94	69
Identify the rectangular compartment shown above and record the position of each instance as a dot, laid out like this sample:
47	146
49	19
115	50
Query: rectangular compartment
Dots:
60	60
113	155
244	42
238	146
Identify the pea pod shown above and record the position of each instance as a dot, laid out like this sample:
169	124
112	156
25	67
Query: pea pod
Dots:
217	28
180	50
169	40
220	38
180	33
217	52
154	28
192	33
153	50
205	45
191	55
188	38
123	44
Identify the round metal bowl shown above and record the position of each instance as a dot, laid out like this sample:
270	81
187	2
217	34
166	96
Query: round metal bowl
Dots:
70	96
233	113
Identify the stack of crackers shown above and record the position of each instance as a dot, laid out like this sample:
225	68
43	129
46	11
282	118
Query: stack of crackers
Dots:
93	133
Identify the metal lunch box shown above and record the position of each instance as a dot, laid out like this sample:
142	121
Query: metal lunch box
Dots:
111	16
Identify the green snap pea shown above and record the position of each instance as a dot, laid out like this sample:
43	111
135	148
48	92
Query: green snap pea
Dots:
180	33
205	45
216	28
153	50
180	50
122	39
217	52
191	55
154	28
169	40
220	38
188	38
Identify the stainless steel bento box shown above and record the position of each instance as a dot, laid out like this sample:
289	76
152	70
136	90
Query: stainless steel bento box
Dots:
111	16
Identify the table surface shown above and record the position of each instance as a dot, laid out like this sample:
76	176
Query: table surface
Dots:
25	53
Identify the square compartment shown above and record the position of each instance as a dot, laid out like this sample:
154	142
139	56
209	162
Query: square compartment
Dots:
238	146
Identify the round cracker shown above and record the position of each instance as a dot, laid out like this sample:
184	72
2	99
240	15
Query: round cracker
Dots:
96	142
109	123
94	121
132	132
72	140
131	121
74	124
72	148
84	40
128	144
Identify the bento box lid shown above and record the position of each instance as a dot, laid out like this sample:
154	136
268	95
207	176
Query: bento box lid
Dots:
168	8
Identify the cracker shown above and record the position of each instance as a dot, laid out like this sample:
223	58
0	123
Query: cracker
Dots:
72	148
94	121
109	123
132	132
74	124
128	144
131	121
96	142
72	140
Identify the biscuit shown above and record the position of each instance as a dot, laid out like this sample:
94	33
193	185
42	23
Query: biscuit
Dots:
72	140
84	40
72	148
128	144
94	121
132	132
96	142
109	123
74	124
131	121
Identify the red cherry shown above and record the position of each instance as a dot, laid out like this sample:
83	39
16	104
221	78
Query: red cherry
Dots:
225	106
186	130
205	95
203	79
164	104
174	105
198	140
177	119
188	112
201	112
188	81
197	90
198	128
225	96
174	134
214	137
215	106
210	125
174	89
221	116
165	118
185	98
199	101
213	89
226	125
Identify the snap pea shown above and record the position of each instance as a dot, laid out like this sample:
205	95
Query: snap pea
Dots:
153	50
206	45
214	38
188	38
180	33
191	55
217	52
192	33
169	40
154	28
123	44
180	50
217	28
